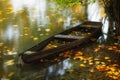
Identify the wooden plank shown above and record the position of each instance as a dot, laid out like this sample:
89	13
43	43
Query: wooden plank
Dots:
59	36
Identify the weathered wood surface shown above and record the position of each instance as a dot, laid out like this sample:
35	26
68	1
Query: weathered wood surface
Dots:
59	36
39	53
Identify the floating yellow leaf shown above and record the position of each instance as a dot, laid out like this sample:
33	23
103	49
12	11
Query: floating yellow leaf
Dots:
47	30
102	68
96	59
116	73
112	69
25	34
35	38
60	20
103	63
114	77
90	63
10	74
97	62
89	58
109	60
97	49
1	44
99	46
91	70
79	53
110	48
79	57
9	62
41	34
10	53
15	25
107	57
114	47
84	61
39	29
82	65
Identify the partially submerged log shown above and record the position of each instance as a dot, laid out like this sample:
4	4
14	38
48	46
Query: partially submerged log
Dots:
38	52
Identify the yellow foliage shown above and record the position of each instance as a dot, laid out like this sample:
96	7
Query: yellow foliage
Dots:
77	9
102	13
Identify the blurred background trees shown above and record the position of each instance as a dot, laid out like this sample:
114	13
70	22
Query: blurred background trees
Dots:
112	9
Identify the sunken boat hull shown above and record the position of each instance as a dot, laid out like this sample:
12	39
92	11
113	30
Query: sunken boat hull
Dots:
72	37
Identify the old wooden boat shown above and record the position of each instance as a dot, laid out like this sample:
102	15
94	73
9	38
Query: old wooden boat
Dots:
68	39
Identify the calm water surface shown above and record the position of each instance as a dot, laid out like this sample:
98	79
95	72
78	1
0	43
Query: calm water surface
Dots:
24	23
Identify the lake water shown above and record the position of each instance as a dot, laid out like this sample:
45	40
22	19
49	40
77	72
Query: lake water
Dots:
24	23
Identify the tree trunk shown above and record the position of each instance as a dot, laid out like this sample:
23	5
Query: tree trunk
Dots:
112	8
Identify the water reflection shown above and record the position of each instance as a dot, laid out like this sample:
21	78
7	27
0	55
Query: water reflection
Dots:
46	72
61	69
28	22
12	32
24	24
95	12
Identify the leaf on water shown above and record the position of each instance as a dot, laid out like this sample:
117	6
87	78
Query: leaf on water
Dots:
79	57
96	49
82	65
47	30
15	25
60	20
9	62
90	63
107	57
35	38
41	34
114	47
96	59
91	70
39	29
10	74
102	68
79	53
25	34
97	62
110	48
1	44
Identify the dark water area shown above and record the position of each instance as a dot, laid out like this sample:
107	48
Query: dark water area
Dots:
23	24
